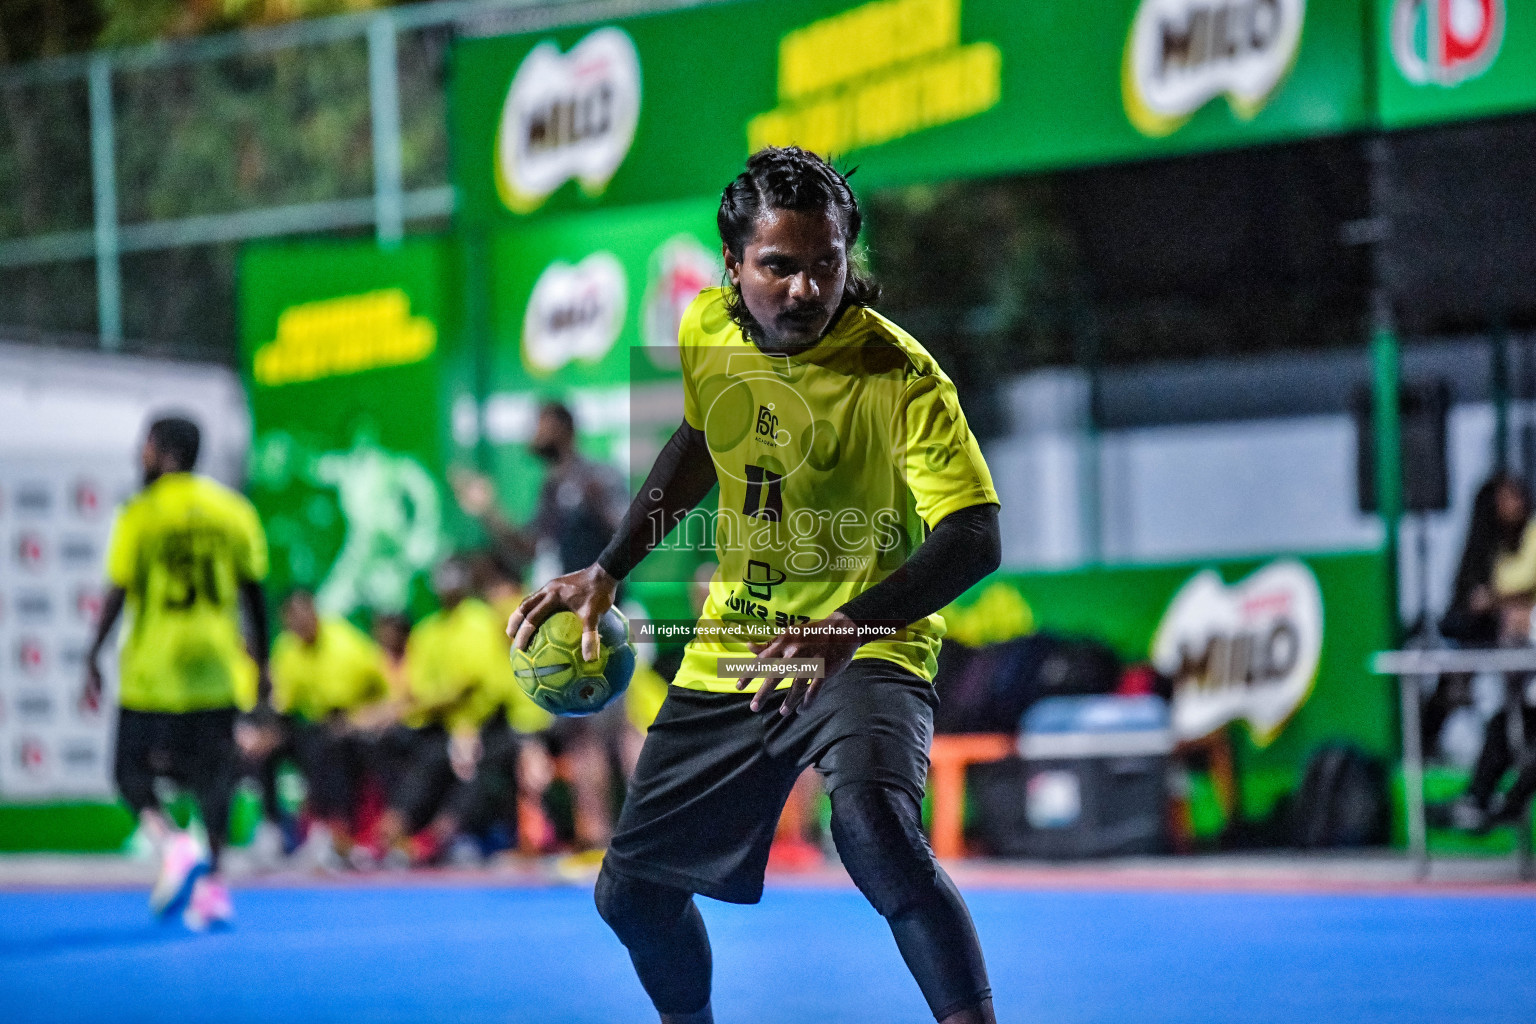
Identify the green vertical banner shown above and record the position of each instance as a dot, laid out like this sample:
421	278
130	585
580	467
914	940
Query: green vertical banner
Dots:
347	353
1443	60
667	106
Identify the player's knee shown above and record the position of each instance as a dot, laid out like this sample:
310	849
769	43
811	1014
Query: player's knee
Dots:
879	836
636	909
136	786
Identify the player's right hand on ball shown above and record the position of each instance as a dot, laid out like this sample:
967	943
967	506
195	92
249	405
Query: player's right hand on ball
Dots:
587	592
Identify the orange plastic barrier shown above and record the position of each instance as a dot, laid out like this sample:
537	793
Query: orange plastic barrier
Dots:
949	756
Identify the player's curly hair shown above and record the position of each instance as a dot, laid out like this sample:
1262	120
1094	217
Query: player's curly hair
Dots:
789	178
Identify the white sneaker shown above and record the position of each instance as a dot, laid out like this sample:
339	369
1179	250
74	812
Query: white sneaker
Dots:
209	906
266	851
465	853
318	852
181	864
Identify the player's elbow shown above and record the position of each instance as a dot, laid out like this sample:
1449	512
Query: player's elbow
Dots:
987	540
992	549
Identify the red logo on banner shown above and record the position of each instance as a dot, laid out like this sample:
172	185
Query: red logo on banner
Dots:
29	656
87	498
1446	42
29	551
31	755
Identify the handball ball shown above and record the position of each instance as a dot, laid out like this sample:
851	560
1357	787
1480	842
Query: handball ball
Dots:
552	673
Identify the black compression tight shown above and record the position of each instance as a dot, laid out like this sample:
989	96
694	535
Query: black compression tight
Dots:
662	929
879	836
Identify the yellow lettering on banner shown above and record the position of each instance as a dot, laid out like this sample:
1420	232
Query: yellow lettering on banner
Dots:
939	90
877	73
344	335
865	39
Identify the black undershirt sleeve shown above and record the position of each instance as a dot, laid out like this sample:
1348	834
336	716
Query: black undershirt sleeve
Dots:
965	546
683	474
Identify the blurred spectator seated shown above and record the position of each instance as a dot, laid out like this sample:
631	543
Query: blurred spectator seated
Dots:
458	676
1491	605
328	679
502	774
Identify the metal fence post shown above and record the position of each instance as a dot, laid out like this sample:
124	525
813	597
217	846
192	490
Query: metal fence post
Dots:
109	272
384	102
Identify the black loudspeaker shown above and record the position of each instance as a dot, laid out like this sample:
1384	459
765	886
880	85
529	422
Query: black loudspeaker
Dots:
1423	410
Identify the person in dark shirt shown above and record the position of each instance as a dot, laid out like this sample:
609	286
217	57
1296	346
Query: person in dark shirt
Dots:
580	504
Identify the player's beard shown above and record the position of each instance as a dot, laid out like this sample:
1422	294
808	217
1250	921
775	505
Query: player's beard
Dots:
754	333
151	474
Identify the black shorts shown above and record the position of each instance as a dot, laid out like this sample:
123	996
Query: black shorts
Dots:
426	780
713	775
194	749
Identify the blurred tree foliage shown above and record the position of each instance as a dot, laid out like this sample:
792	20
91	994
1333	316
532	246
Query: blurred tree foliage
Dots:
204	137
30	29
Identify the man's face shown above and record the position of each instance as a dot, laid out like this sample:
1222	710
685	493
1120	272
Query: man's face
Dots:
550	438
791	276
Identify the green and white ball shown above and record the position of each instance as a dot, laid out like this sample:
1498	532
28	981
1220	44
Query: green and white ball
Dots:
552	673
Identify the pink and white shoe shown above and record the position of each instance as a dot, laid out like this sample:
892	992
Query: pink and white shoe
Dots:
209	906
181	864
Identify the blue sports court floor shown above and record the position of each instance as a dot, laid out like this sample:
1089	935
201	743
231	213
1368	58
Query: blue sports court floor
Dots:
438	953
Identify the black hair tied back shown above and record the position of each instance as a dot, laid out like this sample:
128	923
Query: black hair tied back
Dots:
789	178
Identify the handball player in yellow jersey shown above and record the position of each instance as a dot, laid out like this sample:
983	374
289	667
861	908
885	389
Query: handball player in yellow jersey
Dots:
853	504
186	554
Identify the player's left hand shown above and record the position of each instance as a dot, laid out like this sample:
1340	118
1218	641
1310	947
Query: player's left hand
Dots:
256	738
464	750
90	694
833	639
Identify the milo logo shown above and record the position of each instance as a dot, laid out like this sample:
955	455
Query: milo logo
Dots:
568	116
575	312
1248	651
1446	42
1181	54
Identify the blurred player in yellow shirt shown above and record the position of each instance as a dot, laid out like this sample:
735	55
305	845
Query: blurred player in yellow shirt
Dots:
460	680
328	676
186	555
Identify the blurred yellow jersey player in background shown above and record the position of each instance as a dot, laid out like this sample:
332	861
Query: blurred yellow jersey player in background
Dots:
460	682
186	553
329	678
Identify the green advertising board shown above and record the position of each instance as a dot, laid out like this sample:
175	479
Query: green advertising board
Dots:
1443	60
1273	650
585	308
666	106
347	352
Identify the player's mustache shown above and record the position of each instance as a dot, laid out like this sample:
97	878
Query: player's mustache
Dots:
808	311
